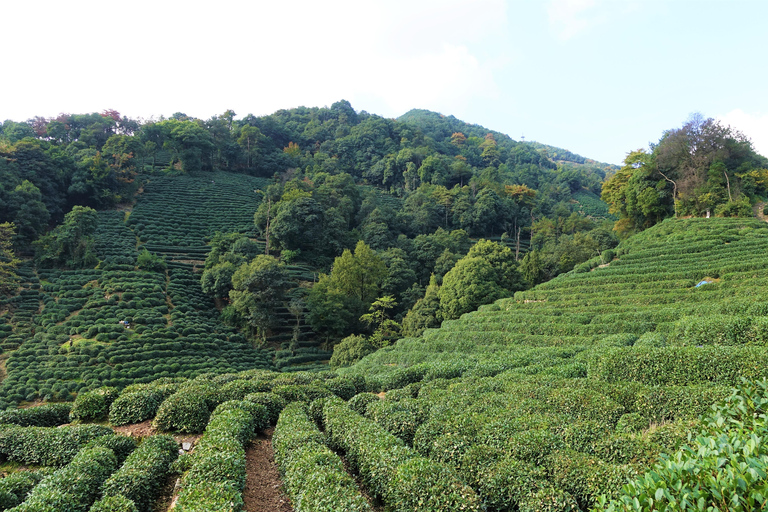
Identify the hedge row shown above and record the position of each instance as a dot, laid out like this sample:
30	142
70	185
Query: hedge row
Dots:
680	365
47	446
46	415
392	471
144	471
93	405
140	402
15	487
74	487
314	476
215	477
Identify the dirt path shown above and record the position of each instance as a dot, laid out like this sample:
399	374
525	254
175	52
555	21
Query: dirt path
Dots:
262	486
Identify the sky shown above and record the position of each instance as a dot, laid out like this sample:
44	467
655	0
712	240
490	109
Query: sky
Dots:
600	78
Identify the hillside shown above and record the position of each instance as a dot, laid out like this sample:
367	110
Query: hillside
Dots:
580	383
553	399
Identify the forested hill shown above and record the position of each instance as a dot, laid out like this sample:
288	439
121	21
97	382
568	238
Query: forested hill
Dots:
441	127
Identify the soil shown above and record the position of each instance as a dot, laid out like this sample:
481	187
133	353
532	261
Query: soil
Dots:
142	429
263	485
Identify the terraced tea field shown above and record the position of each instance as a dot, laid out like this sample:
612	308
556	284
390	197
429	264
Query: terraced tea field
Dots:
74	330
548	400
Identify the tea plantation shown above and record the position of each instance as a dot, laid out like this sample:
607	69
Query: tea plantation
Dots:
592	391
70	331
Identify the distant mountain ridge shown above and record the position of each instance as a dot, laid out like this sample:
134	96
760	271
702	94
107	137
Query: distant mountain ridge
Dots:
439	126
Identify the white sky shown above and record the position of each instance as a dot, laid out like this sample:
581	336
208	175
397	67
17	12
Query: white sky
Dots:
598	77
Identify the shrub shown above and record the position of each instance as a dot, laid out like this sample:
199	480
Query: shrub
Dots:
422	484
216	474
665	403
504	483
114	504
144	471
238	389
75	486
722	467
47	446
93	405
15	487
360	402
314	476
549	499
342	387
47	415
632	422
271	401
400	418
135	407
301	392
187	410
121	446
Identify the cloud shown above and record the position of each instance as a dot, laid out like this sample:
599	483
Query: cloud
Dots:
754	126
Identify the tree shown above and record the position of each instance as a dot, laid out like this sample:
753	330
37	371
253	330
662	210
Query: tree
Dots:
257	289
359	274
70	243
29	213
9	279
385	330
424	313
488	272
250	138
471	283
350	350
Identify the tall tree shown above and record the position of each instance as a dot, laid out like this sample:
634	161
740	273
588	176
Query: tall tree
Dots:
258	288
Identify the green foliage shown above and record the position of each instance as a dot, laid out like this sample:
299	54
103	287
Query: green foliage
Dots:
121	446
15	487
46	415
216	475
47	446
350	350
272	402
487	273
135	407
140	478
152	262
257	288
114	504
421	484
8	262
721	467
75	486
315	478
93	405
359	403
70	244
187	410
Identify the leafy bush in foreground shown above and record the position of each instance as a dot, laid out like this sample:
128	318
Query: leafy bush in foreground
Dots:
15	487
145	470
216	475
93	405
47	415
723	468
74	487
314	476
47	446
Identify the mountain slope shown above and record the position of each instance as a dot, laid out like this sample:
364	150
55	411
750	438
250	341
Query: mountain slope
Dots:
580	383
